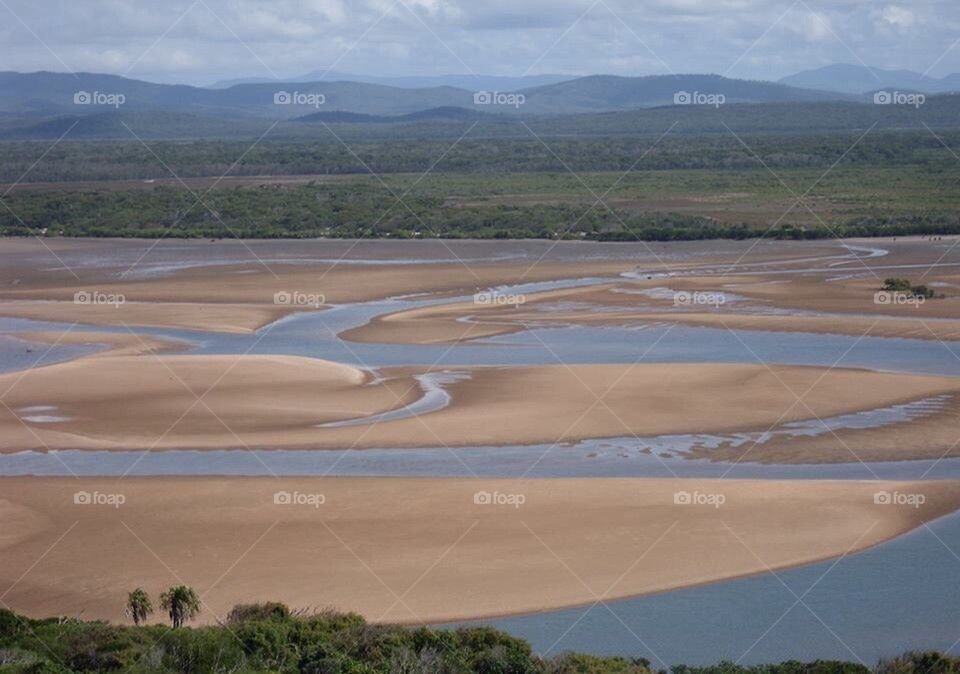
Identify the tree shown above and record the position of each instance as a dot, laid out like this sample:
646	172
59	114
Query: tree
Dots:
182	604
139	606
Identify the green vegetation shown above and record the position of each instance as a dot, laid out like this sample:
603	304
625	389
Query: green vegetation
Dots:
597	188
651	205
181	603
581	149
268	638
902	285
139	606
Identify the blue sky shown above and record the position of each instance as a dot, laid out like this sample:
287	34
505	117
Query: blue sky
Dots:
198	41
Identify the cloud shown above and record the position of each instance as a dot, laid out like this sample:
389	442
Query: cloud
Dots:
897	17
203	40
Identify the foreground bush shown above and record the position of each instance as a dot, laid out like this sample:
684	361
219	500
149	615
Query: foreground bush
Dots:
269	638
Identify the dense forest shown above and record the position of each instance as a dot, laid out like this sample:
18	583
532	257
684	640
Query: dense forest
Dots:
72	160
608	189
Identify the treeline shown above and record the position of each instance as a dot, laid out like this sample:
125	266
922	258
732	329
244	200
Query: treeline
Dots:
269	638
474	153
368	209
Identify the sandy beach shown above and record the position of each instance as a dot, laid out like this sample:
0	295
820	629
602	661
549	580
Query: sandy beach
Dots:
206	402
416	550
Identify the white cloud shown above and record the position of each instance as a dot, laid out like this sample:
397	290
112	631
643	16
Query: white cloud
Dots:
492	36
897	17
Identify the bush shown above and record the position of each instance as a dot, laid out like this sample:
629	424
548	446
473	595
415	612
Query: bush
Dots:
920	663
271	610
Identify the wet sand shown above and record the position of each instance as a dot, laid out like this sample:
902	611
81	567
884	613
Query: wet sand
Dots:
929	437
417	550
116	343
215	402
766	303
231	286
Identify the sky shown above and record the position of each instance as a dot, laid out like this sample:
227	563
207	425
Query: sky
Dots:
201	41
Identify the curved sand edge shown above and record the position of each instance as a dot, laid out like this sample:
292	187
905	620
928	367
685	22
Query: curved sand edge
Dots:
221	299
211	317
803	305
117	343
422	550
221	402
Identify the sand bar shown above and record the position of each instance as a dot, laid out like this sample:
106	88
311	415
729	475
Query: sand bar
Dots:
417	550
766	304
243	298
207	402
116	343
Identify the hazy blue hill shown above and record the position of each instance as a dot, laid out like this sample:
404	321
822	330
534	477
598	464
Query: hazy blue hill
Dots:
858	79
468	82
939	112
444	113
609	92
49	94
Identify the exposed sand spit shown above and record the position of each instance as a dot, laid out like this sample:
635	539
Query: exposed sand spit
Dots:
205	402
417	550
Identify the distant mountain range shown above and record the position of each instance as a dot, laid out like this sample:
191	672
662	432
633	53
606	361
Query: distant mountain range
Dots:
45	104
938	112
47	94
854	79
469	82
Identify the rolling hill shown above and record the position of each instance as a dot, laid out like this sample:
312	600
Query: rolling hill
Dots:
857	79
939	112
48	94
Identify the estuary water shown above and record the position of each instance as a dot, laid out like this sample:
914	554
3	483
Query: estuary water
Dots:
902	594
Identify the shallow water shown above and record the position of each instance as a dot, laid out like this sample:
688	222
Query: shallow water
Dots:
16	354
899	595
652	456
314	334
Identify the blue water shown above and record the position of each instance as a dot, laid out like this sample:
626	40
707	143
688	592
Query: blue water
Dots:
16	354
901	595
314	334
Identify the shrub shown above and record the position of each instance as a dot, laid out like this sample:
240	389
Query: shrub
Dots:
271	610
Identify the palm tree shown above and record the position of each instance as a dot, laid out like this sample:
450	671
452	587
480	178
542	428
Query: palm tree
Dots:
182	603
139	606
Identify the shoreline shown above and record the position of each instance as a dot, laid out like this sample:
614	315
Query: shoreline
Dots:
692	586
512	571
128	402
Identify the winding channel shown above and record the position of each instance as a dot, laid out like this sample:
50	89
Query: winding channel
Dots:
876	603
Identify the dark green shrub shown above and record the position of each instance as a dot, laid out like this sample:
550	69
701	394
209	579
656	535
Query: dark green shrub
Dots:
271	610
